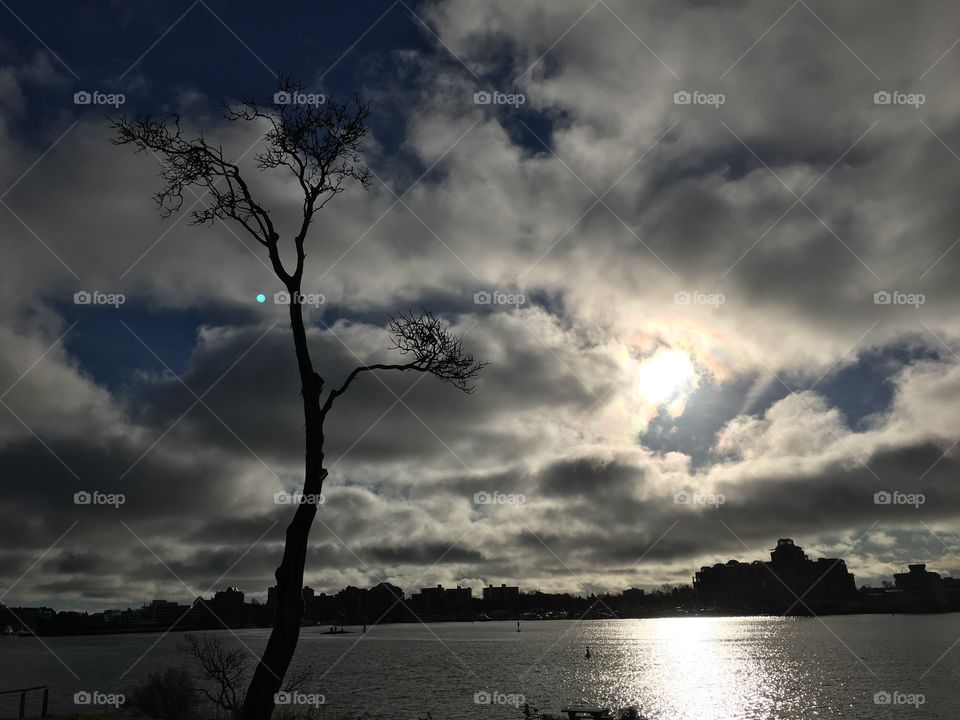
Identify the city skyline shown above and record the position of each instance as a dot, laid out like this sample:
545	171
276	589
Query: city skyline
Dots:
263	598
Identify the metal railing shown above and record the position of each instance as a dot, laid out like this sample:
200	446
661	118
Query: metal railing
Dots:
23	698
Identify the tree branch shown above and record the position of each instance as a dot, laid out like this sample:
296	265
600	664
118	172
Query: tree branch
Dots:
435	350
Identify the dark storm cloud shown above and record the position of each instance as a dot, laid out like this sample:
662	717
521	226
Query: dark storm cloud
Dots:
425	555
522	373
589	478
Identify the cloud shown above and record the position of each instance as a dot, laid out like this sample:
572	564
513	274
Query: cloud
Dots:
601	201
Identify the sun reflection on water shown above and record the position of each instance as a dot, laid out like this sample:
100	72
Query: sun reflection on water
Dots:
705	669
703	673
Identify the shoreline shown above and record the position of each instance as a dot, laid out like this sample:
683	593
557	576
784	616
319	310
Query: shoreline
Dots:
511	621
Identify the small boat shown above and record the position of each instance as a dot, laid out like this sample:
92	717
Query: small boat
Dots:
336	631
9	631
587	713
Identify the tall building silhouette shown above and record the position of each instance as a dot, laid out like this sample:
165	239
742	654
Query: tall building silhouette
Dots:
789	581
921	588
503	599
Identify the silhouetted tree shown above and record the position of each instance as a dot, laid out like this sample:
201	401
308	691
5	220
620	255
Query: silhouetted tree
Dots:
225	669
321	145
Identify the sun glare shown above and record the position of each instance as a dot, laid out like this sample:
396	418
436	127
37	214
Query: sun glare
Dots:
666	377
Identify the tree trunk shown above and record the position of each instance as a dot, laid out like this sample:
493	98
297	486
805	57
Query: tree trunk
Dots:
268	677
272	668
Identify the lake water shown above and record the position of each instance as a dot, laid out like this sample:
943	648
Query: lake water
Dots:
670	668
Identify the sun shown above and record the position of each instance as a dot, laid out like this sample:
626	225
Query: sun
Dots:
666	378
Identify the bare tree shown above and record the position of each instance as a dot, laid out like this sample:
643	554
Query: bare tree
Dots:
227	671
224	668
321	145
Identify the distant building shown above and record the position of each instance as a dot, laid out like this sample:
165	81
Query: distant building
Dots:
775	586
951	591
457	601
225	608
231	597
922	588
161	613
34	619
503	599
114	617
384	603
7	618
429	601
348	604
440	602
631	598
323	610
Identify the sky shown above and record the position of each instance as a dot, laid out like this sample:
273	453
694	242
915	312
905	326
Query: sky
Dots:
709	251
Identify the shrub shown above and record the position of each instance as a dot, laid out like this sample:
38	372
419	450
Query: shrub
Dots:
169	695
